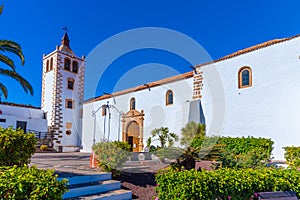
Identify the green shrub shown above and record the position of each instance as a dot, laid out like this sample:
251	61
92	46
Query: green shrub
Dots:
110	156
235	152
244	145
30	183
152	148
238	184
16	147
292	156
123	145
236	145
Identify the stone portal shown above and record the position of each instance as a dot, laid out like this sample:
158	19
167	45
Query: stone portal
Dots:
132	129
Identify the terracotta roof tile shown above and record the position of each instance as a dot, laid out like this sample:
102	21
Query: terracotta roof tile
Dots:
19	105
190	74
145	86
250	49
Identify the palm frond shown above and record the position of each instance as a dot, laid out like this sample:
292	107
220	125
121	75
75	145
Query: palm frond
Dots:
8	61
13	47
3	90
1	8
24	83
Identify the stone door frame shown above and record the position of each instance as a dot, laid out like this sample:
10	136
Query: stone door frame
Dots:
127	119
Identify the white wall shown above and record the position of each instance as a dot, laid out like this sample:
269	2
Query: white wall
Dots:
157	114
71	115
34	117
48	87
270	108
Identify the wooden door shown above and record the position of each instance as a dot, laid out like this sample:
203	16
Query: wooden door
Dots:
136	144
133	136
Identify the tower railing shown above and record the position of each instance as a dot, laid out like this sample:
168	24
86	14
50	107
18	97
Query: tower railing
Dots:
45	138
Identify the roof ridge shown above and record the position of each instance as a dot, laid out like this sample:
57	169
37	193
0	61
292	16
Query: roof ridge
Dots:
250	49
190	73
19	105
178	77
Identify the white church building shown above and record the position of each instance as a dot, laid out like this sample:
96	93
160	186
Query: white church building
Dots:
252	92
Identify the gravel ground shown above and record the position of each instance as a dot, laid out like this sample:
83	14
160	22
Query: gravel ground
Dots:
142	185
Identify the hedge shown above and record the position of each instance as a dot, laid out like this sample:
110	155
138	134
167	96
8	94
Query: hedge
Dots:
30	183
224	183
238	145
123	145
236	152
292	156
16	147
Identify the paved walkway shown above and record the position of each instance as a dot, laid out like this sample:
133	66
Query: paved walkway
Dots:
65	164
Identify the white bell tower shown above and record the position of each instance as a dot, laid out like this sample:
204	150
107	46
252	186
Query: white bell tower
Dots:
62	93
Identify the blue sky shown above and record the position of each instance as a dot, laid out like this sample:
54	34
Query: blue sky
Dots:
221	27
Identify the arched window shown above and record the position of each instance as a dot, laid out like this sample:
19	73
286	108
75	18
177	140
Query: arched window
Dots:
75	66
169	97
67	64
47	66
51	63
245	77
132	104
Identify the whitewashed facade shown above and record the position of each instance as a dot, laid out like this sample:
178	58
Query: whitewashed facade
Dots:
266	107
20	116
151	110
270	107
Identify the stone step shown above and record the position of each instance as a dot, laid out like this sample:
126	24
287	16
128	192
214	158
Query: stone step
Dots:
85	179
136	169
112	195
79	190
95	186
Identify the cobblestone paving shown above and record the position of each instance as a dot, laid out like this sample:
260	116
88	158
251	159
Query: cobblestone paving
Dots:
64	164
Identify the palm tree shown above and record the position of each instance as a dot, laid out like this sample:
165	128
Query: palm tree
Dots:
164	136
8	46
